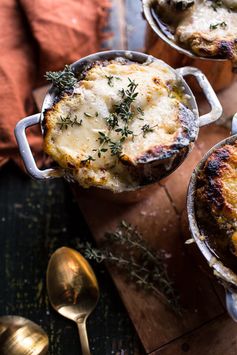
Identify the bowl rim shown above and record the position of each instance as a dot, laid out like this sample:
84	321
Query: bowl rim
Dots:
138	57
133	56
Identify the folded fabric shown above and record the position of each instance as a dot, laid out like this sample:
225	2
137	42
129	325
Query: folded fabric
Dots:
38	36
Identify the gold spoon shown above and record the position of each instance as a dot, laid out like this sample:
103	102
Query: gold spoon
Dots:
73	289
20	336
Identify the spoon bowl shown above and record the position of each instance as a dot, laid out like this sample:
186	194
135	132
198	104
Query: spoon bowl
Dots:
72	288
20	336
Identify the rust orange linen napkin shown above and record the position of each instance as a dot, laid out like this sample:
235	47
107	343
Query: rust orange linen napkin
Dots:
36	36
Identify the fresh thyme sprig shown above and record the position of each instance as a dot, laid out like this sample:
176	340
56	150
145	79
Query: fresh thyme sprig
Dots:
125	132
68	121
62	80
126	249
103	139
123	109
122	262
115	147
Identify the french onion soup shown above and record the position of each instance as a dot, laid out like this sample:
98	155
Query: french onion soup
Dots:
206	27
123	125
216	202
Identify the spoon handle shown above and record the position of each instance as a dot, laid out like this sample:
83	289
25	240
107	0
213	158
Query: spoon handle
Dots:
83	338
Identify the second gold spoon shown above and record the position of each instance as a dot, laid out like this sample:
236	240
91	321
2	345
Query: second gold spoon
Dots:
20	336
73	289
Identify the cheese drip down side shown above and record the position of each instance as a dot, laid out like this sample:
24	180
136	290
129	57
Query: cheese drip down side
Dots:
159	122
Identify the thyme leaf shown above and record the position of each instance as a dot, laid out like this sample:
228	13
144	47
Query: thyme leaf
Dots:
124	131
122	111
63	80
115	147
100	151
223	25
112	120
139	110
87	160
103	138
147	129
110	80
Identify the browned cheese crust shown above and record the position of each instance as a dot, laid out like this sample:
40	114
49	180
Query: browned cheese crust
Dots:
217	192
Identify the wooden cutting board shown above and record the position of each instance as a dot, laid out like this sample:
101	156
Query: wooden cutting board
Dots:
159	218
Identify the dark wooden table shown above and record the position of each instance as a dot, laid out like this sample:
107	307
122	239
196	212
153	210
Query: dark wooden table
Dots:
36	218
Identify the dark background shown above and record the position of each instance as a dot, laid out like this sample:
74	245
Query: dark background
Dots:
35	219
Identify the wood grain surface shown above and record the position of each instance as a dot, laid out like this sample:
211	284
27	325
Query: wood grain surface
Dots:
158	217
217	337
36	218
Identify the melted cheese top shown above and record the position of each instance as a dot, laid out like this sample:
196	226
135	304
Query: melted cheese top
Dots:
157	104
200	19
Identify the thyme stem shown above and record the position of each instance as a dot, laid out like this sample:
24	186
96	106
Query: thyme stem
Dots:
144	267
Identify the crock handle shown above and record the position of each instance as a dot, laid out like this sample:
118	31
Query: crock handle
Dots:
26	153
231	304
234	125
216	108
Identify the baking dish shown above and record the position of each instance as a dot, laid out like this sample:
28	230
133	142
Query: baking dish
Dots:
213	115
224	273
160	29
